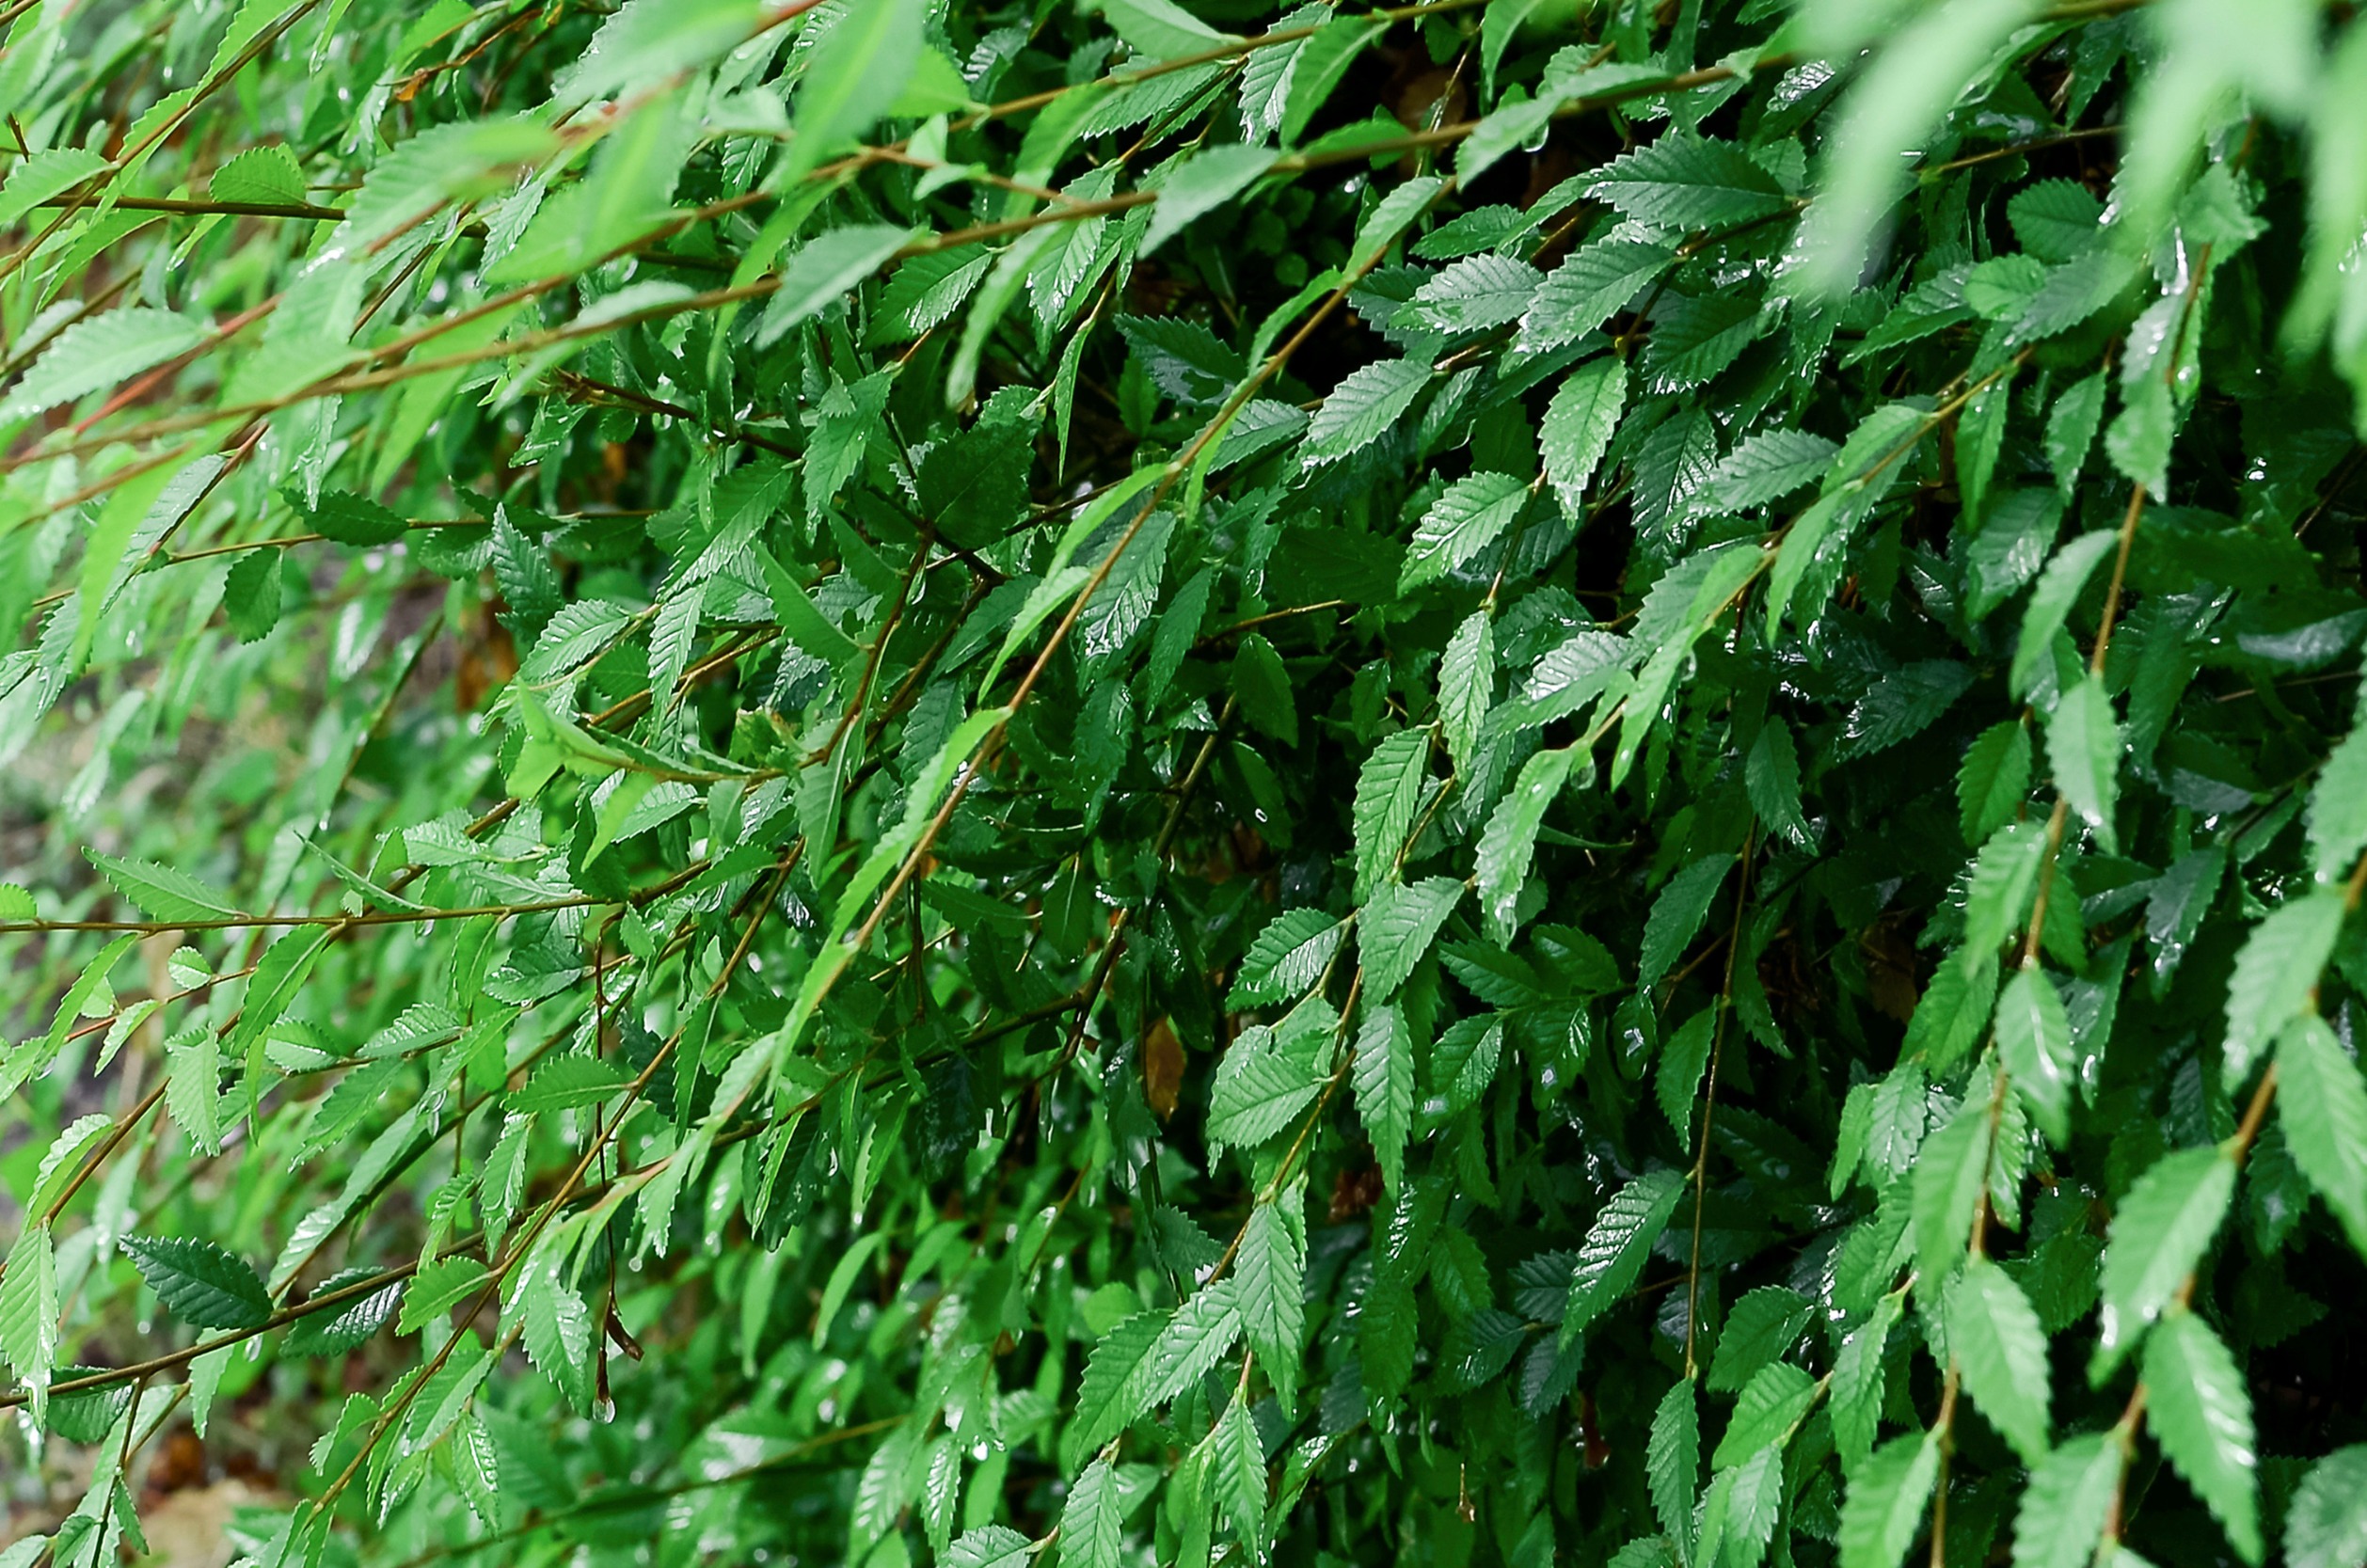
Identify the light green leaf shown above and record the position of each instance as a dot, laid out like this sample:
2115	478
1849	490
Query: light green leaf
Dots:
1678	913
1286	958
1992	780
851	78
1467	687
1579	424
1885	1503
1384	1073
2323	1106
2326	1527
2338	808
2034	1038
2200	1411
1995	1338
1387	791
2083	745
1509	841
1396	929
2051	602
99	351
161	892
2275	975
1365	406
2158	1237
1616	1246
2066	1504
1672	1461
1205	182
1271	1269
1588	288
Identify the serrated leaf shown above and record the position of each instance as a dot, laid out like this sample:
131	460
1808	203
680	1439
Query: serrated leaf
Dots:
1676	1081
1363	408
1396	928
260	174
567	1082
1472	294
1760	1328
1616	1246
333	1331
2323	1106
1886	1497
1384	1075
2051	602
1992	780
1093	1520
28	1312
1770	777
1288	956
2338	808
2201	1412
1951	1170
1387	791
2065	1506
1995	1338
1678	913
2326	1527
1205	182
1467	687
2083	746
2005	879
1263	1082
1769	1410
1587	289
1858	1383
2034	1040
1472	515
990	1547
99	351
1671	1461
1685	182
2162	1230
1764	468
202	1283
2055	219
438	1287
2275	975
161	892
1509	842
1271	1269
1579	424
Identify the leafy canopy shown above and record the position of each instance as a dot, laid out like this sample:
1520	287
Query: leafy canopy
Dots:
889	780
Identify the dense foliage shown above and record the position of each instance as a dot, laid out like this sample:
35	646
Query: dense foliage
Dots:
1162	782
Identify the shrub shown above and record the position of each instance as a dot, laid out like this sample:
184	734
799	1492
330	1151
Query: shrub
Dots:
909	782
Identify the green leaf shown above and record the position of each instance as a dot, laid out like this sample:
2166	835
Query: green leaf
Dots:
2034	1038
1587	289
565	1083
1858	1383
1240	1472
260	174
47	174
2083	746
1770	1409
1264	1082
2003	881
1508	844
1952	1171
2275	975
2323	1106
99	351
1760	1328
990	1547
1672	1463
1676	1082
352	519
1579	424
1884	1506
1616	1246
1992	780
1384	1074
1262	683
1396	928
851	78
1202	184
1322	61
437	1289
2338	808
1365	406
1467	687
1472	294
28	1312
1288	956
2158	1237
1388	792
2326	1525
1472	515
1686	181
1093	1520
161	892
1995	1338
826	267
2200	1410
2051	602
1271	1269
1763	467
1770	777
2065	1506
335	1330
251	597
2071	430
202	1283
1119	1377
1678	913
